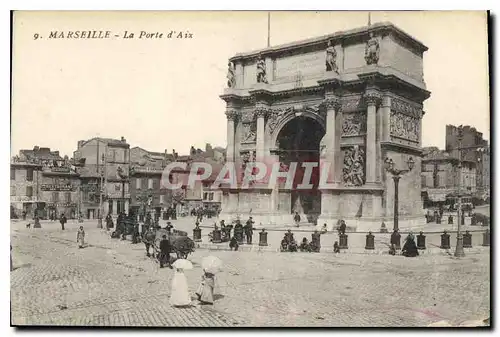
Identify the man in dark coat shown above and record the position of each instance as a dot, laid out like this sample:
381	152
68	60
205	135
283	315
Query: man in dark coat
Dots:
249	230
165	249
238	231
63	220
396	239
233	244
315	241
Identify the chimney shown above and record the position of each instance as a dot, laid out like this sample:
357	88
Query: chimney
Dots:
36	148
123	139
80	144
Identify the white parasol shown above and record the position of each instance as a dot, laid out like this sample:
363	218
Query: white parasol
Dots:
182	264
211	264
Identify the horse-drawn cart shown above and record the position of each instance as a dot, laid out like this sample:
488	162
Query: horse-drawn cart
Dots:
181	244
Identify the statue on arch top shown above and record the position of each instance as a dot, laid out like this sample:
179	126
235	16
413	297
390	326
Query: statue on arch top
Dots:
331	58
261	70
231	79
372	50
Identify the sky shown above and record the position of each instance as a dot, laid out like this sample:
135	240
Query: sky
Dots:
164	94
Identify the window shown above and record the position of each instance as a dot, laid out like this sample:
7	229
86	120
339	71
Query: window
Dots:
68	197
118	187
12	174
150	183
55	196
13	190
29	191
162	199
205	196
423	181
210	196
29	174
138	183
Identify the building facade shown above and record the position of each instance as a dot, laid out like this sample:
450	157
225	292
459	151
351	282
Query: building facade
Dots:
349	99
441	178
25	181
60	190
146	190
29	180
110	159
474	148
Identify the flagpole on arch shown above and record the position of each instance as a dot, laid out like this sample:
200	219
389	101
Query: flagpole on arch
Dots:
269	29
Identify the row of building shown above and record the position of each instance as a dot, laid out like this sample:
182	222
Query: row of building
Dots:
443	174
47	184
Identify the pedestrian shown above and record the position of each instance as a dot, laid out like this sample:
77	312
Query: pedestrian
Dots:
248	228
80	237
165	249
395	239
392	250
296	218
342	227
410	248
63	220
233	243
179	295
336	248
205	291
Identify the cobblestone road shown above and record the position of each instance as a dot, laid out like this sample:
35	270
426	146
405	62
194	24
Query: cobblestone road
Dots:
112	283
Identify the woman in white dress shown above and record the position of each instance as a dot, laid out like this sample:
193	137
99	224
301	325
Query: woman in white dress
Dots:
179	296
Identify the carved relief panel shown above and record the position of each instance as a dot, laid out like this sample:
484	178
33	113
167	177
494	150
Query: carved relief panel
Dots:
353	171
405	120
353	124
249	133
276	115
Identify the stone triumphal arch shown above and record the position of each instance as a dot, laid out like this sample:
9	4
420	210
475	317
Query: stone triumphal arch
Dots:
349	99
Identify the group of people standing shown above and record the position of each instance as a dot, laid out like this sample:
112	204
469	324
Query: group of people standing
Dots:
240	233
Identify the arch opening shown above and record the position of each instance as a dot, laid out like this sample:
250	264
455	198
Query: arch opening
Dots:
299	141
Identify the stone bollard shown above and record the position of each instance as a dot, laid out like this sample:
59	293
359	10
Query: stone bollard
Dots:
343	241
467	243
216	236
486	238
370	241
197	234
445	240
450	220
421	241
263	237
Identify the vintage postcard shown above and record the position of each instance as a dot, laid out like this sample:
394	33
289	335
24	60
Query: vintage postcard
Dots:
250	169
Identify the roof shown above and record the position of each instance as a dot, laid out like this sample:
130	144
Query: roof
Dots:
339	35
109	141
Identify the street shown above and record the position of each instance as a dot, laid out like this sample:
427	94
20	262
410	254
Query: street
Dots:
113	283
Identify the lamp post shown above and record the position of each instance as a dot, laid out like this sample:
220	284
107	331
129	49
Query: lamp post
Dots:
459	249
396	175
123	177
101	190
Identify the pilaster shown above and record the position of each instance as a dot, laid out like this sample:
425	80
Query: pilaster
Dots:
372	99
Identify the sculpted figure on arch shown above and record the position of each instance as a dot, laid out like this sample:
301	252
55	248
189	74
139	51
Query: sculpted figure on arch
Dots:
261	70
331	58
